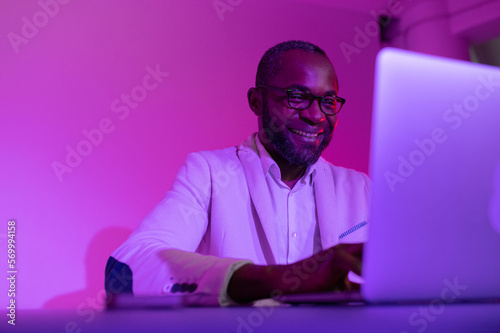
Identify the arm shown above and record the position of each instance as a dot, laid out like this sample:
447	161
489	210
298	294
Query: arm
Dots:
324	271
161	253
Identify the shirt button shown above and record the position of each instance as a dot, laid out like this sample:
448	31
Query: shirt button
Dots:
294	235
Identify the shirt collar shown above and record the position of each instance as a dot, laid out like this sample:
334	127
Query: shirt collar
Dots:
269	166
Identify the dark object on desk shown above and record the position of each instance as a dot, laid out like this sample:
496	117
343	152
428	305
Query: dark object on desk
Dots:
131	302
334	297
118	278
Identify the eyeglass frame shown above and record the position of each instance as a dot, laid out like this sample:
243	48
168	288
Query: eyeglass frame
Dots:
314	97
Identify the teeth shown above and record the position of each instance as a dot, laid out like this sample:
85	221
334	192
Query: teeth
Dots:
304	133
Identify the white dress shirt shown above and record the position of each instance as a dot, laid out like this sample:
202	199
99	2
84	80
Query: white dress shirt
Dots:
294	210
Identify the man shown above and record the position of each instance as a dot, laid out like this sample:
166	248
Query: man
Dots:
264	218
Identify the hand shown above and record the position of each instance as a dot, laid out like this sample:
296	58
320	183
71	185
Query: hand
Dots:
324	271
327	270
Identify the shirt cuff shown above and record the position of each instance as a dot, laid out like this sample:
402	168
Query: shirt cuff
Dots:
224	299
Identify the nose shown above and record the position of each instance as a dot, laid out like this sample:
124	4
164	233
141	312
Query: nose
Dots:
313	114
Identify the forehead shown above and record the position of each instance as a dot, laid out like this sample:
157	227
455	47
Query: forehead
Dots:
306	69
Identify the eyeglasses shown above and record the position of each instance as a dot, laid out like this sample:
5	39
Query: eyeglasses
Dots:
301	100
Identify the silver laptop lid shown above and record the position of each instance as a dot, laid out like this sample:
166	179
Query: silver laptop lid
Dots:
435	166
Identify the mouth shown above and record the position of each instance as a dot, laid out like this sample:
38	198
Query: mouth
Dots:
304	134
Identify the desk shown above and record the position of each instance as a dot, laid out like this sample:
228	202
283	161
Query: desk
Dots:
331	318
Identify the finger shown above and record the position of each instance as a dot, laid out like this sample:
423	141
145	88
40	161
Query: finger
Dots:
351	285
347	283
348	262
342	284
353	248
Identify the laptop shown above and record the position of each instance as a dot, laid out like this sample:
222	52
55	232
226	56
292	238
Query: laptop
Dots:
435	165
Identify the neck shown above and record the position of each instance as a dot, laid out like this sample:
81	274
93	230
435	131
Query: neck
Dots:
291	183
290	173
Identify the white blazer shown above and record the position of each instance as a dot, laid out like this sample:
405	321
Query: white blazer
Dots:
217	218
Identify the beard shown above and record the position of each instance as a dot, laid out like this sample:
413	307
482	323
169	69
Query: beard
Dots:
283	145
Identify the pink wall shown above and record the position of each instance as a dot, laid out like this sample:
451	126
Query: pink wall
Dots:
63	70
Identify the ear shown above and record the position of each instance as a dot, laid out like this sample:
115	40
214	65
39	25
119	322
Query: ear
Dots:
255	101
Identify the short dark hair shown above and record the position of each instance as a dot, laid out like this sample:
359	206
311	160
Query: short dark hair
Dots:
270	63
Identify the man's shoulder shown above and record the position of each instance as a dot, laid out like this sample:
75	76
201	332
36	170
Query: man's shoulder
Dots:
340	173
217	154
225	155
213	159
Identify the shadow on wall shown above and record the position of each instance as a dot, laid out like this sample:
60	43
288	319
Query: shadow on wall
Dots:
98	251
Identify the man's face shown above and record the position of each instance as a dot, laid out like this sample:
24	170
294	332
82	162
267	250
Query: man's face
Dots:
299	137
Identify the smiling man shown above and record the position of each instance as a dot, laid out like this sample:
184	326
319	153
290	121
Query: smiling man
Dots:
283	220
302	128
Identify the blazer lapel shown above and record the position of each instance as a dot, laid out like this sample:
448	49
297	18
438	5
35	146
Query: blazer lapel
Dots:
324	193
260	196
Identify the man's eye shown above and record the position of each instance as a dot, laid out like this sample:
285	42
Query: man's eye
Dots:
297	96
329	101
